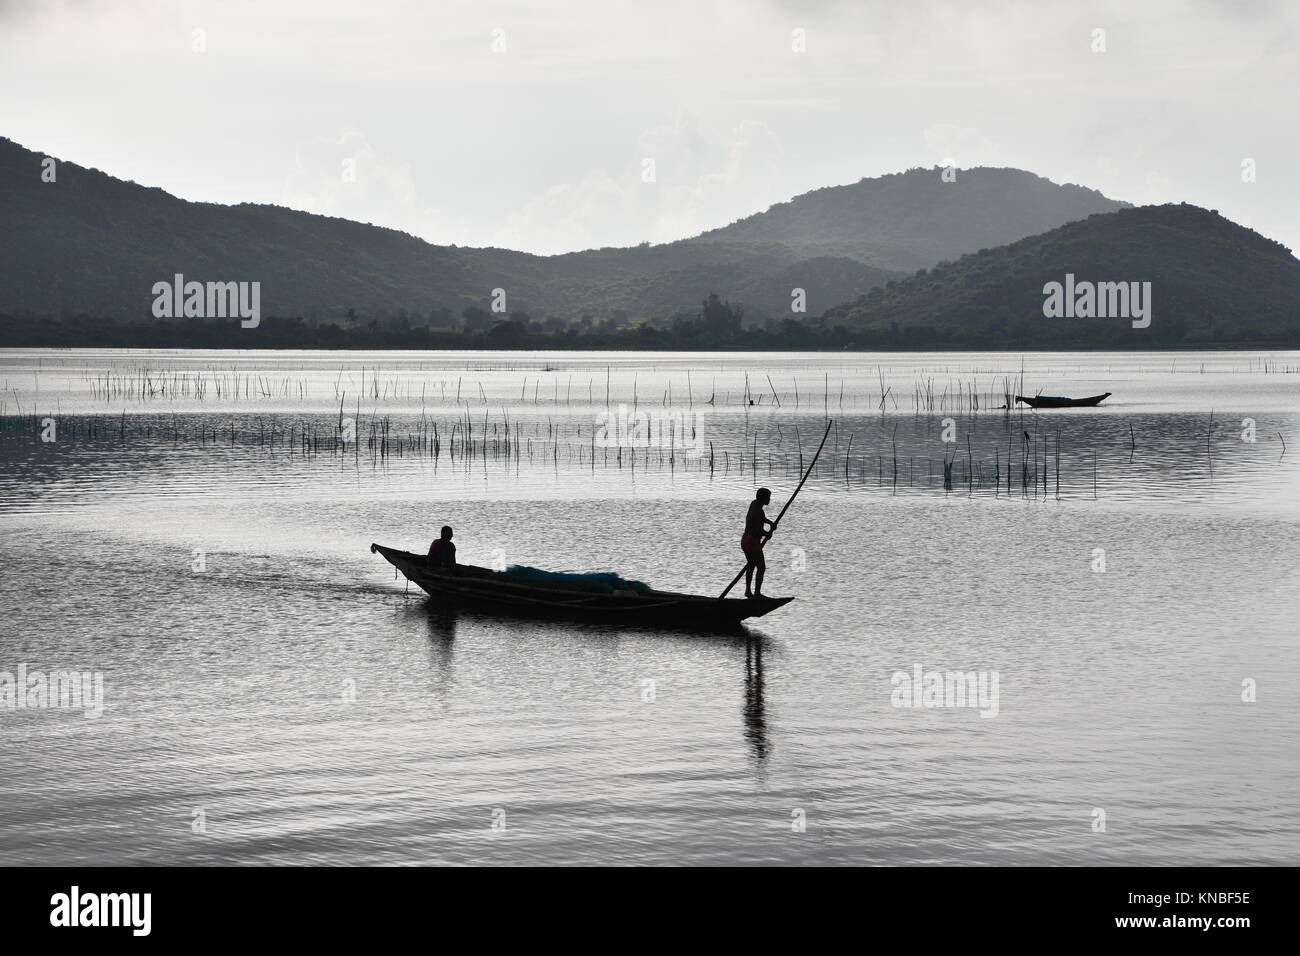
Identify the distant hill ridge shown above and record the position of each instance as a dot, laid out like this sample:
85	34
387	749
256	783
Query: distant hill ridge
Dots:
911	220
93	244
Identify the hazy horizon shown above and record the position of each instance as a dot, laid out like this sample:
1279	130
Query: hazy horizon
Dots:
541	145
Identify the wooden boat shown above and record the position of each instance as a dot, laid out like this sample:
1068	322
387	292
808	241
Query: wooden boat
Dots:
1056	401
496	590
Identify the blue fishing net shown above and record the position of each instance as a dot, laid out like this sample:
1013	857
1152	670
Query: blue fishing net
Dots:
598	582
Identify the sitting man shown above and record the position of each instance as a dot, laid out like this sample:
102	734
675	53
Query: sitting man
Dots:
442	553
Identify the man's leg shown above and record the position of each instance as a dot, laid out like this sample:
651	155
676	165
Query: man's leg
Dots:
749	576
761	564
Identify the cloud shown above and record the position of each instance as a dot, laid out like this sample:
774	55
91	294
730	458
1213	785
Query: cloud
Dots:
960	146
702	178
347	177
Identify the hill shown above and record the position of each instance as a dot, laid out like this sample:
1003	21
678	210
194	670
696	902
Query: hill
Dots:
90	244
908	221
1211	282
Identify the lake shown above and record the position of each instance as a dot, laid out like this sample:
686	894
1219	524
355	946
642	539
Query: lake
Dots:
193	527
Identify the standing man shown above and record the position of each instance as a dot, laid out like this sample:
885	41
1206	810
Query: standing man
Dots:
757	530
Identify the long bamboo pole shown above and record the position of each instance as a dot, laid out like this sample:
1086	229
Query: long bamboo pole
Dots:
788	503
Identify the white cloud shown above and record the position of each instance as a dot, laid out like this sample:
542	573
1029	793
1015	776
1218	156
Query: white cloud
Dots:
703	178
347	177
961	146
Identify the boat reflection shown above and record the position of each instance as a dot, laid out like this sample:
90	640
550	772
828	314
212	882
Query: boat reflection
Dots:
442	622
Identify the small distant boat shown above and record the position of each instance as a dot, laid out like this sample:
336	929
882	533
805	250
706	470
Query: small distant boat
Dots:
549	595
1056	401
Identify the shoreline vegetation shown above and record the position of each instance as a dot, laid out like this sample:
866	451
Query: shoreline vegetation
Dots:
519	334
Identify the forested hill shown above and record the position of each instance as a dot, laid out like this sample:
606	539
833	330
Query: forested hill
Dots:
908	221
89	244
1212	282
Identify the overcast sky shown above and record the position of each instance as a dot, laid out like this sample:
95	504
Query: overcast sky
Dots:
541	146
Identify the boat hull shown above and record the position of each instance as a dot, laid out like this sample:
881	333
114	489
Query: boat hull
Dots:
485	589
1053	401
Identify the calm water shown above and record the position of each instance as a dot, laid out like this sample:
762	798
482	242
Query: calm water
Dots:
197	531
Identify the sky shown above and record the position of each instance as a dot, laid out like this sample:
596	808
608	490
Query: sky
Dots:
571	125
